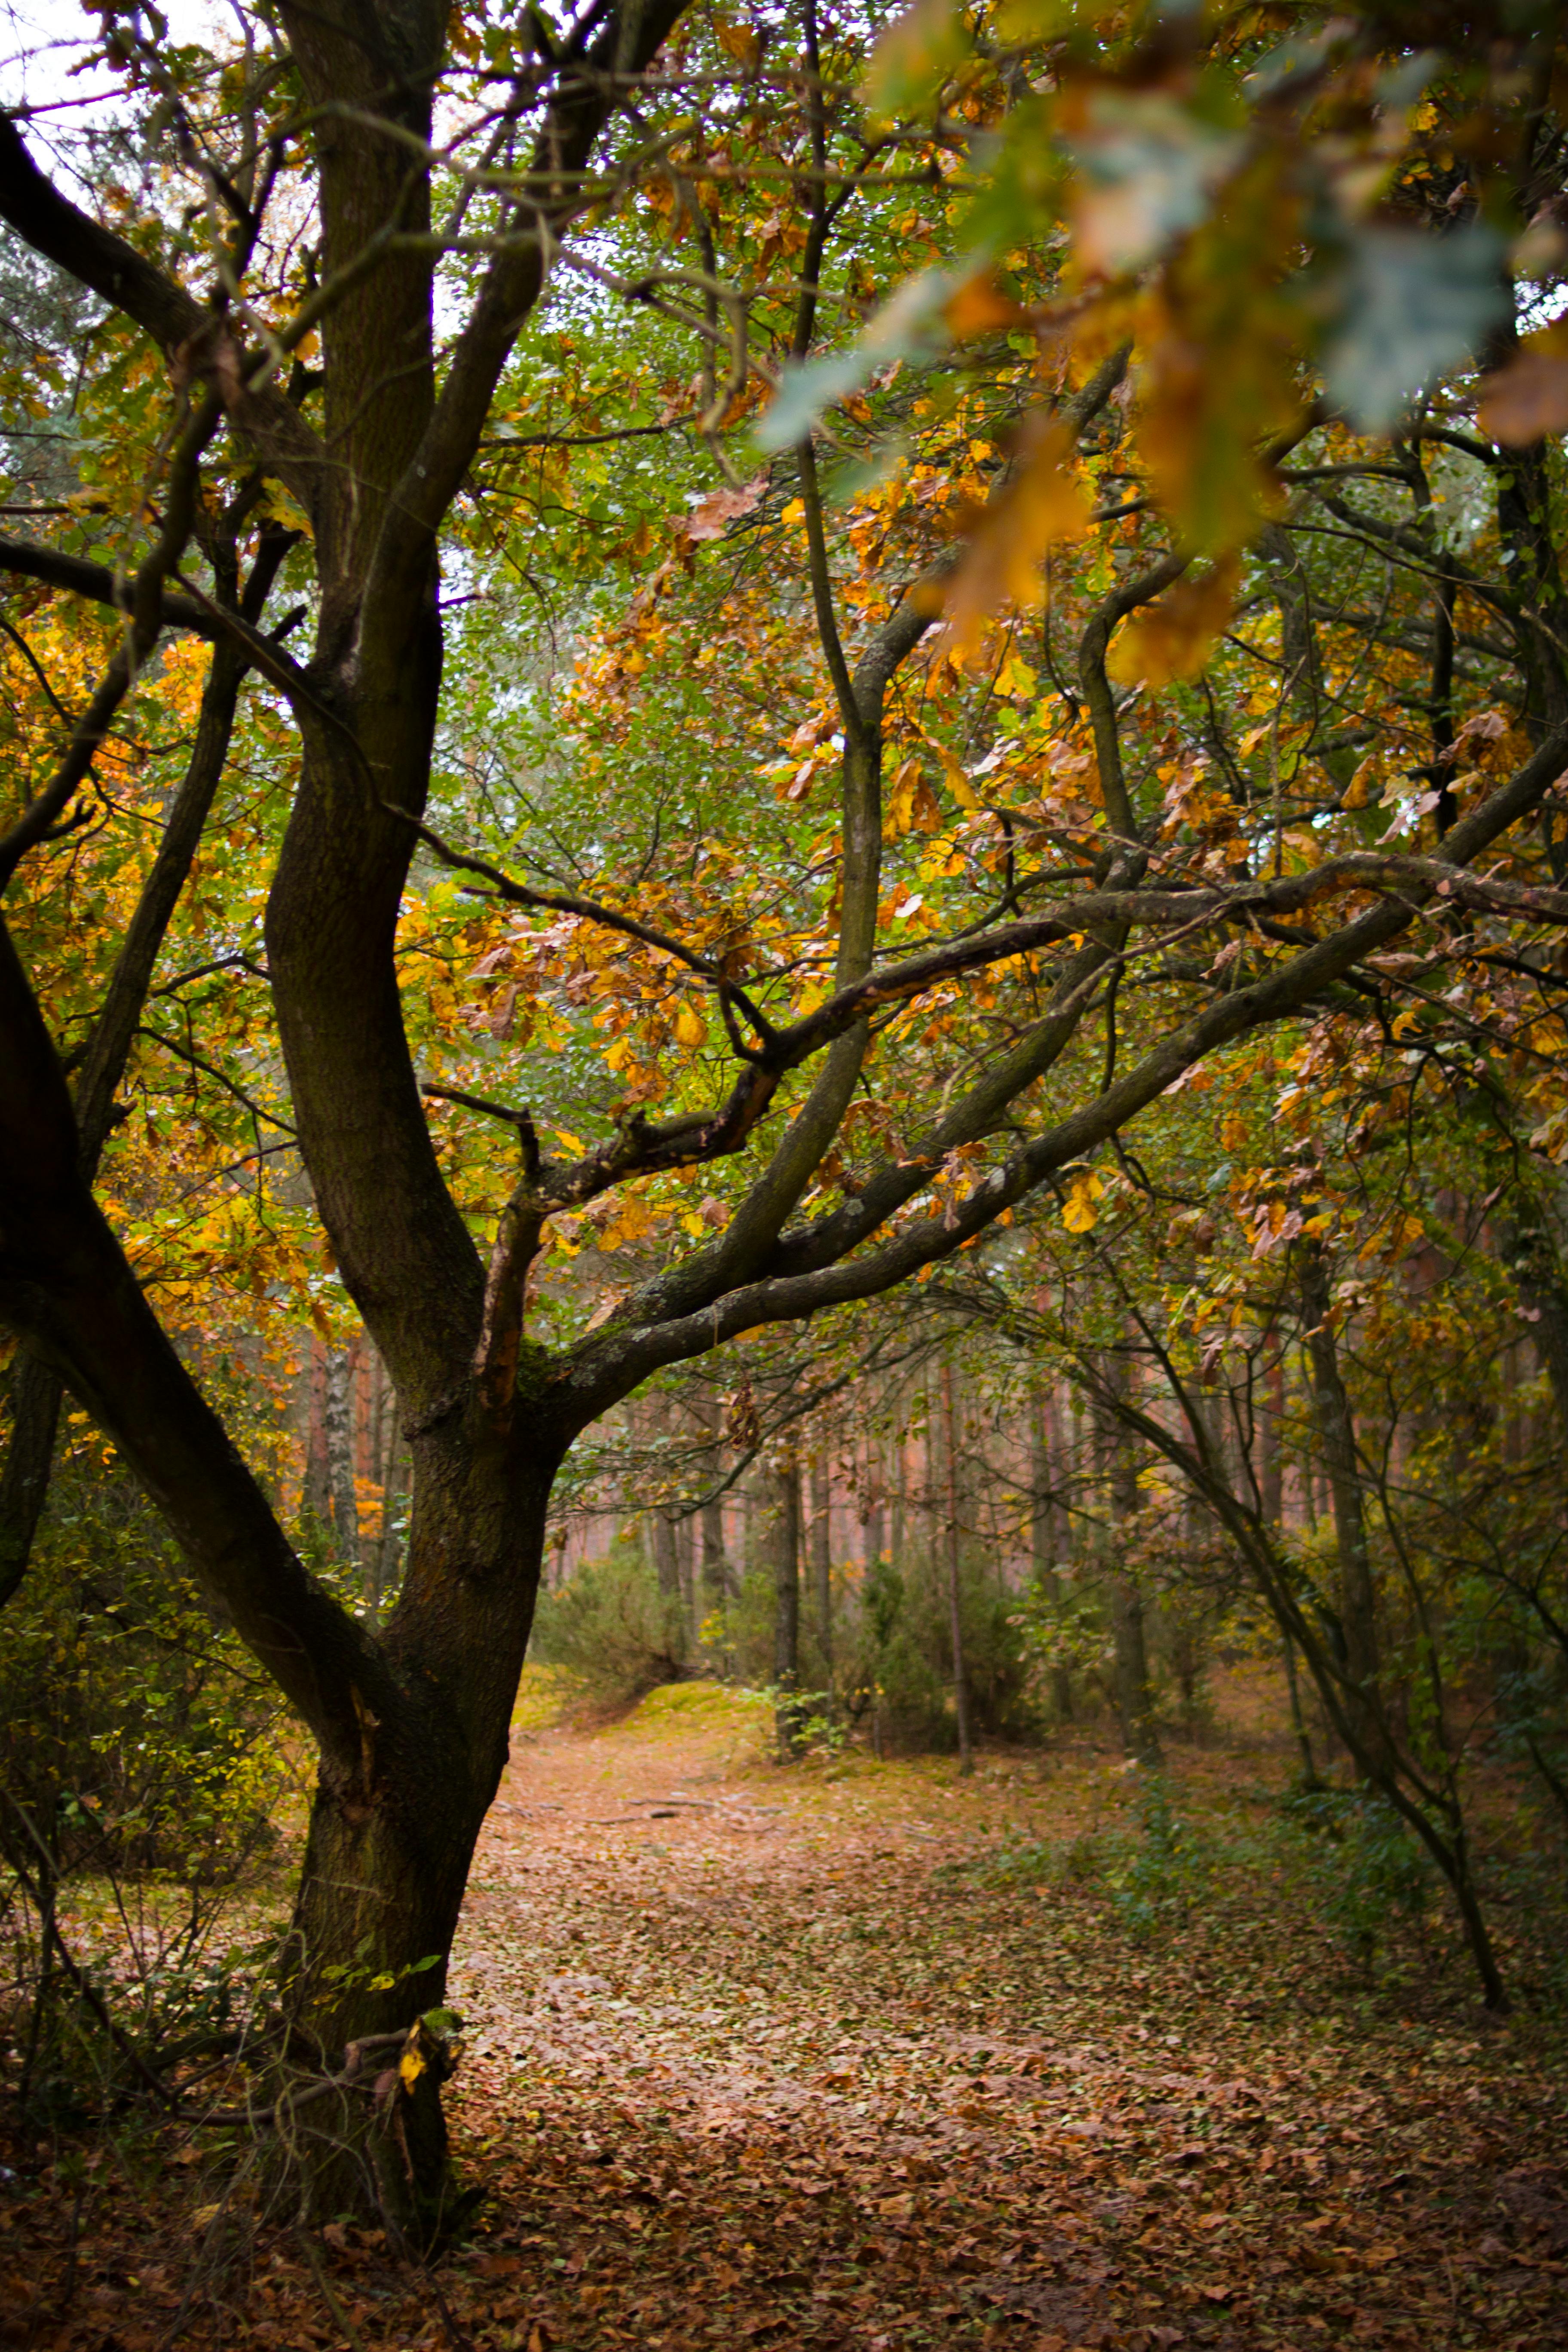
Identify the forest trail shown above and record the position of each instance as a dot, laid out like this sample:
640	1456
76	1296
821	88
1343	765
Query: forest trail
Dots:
861	2058
774	2057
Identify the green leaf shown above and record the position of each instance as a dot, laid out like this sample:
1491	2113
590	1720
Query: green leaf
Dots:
908	327
1410	306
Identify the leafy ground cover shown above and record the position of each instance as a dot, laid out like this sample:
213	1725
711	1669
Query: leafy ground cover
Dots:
858	2054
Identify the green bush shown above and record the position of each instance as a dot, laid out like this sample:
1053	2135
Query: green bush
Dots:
1367	1870
136	1735
899	1650
611	1632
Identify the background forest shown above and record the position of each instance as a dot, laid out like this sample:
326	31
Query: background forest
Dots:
785	880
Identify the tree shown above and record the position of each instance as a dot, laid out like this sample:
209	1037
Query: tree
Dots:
919	1059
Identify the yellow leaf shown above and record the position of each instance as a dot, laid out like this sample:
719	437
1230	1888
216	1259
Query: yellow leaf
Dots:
410	2066
1044	505
1078	1210
1233	1132
690	1027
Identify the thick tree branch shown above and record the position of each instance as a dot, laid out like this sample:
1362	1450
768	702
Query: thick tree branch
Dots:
641	1340
96	257
95	581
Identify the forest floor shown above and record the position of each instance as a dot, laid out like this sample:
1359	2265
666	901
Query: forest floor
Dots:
861	2054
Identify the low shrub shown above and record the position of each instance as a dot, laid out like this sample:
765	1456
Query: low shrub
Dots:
611	1632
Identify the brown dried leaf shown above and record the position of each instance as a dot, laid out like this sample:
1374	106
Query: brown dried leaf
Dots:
1528	400
713	516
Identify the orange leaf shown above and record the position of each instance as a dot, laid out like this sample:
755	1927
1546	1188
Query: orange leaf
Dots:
978	305
739	42
1529	399
1174	637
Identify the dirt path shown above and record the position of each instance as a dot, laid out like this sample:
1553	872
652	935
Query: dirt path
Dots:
760	2056
863	2057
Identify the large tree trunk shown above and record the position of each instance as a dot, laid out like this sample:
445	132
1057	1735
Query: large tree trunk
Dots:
387	1857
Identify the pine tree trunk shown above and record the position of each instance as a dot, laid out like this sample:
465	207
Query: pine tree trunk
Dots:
787	1602
954	1580
1270	1455
821	1554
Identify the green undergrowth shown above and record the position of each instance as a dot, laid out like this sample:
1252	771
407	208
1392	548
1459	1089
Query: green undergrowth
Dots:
1325	1866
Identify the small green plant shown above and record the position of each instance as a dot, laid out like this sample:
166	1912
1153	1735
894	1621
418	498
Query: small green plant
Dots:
1366	1868
1158	1876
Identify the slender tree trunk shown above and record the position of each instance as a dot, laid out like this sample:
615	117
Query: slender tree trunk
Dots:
393	1494
954	1578
787	1602
686	1578
1119	1480
1298	1719
900	1514
1044	1523
1270	1455
1356	1598
875	1534
339	1433
822	1554
661	1528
